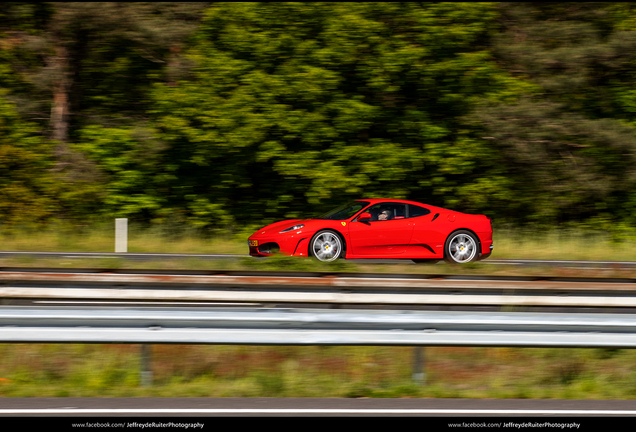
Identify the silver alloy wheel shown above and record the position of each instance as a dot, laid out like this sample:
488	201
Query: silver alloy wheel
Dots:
326	246
462	248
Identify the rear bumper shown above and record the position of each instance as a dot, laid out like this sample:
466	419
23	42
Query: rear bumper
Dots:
485	254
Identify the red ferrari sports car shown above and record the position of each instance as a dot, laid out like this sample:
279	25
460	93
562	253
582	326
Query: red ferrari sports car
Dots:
380	228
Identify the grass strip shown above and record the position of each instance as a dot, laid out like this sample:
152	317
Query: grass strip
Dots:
94	370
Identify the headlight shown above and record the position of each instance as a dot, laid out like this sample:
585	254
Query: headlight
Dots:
295	227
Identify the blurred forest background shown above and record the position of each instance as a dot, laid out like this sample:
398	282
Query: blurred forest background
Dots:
218	115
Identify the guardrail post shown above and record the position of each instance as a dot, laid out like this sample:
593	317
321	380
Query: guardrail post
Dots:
419	376
146	367
121	235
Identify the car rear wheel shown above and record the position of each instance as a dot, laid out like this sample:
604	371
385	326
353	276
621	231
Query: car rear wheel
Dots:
326	246
461	247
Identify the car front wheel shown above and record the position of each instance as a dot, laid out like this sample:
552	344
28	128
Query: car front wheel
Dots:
326	246
461	247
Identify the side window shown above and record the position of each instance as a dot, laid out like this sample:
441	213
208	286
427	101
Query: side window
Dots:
415	211
387	211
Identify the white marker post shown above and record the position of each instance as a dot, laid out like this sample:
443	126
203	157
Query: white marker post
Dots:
419	372
121	235
146	367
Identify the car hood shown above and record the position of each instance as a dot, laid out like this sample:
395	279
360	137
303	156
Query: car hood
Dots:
279	226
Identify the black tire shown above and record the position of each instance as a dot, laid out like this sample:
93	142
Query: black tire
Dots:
425	261
326	246
461	247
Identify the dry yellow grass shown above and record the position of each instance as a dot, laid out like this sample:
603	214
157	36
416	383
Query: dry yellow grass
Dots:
518	244
509	244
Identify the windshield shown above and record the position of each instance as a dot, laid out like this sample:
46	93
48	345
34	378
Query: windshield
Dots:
345	211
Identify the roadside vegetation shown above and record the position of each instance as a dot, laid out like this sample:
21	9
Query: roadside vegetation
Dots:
216	115
90	370
562	244
566	244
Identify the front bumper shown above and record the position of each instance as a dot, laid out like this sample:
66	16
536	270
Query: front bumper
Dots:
266	246
263	249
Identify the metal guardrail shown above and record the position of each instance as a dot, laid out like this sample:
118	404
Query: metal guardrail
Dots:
230	296
314	327
385	290
309	327
291	278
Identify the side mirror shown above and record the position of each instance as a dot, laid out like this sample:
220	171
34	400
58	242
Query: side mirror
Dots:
364	217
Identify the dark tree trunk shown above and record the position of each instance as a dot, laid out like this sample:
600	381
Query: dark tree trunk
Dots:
60	107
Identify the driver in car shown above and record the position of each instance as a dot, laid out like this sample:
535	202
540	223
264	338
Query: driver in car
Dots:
384	215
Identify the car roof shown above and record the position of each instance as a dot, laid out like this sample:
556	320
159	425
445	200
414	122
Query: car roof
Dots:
379	200
389	200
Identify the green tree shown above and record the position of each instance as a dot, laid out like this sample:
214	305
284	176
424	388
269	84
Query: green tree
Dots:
566	151
25	185
294	106
74	68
